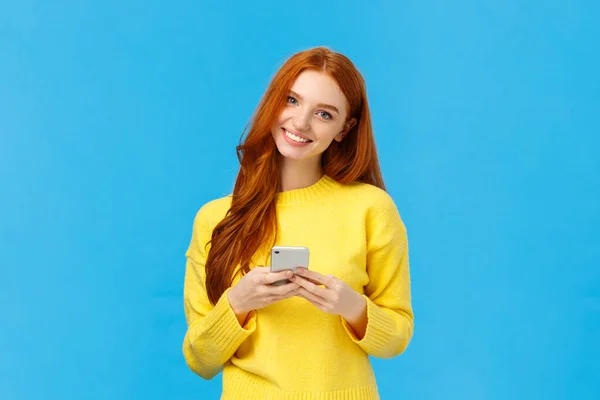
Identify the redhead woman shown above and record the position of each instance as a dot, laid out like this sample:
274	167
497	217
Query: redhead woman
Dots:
309	178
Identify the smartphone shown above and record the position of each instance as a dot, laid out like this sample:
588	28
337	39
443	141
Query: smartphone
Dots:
285	258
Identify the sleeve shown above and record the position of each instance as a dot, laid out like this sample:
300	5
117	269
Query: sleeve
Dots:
214	333
390	319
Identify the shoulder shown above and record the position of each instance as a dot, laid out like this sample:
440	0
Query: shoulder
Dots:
370	198
207	217
377	207
381	216
212	212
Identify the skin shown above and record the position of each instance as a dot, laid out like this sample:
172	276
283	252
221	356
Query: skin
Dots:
316	110
307	115
332	295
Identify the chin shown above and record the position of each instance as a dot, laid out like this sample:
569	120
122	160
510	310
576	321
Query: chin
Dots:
292	154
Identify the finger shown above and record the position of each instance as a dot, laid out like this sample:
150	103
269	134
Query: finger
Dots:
314	282
315	276
314	299
311	287
291	293
285	289
258	272
311	280
271	277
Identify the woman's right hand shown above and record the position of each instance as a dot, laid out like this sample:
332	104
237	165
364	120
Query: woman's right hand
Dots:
254	291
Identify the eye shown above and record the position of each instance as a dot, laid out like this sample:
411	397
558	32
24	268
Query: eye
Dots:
292	100
325	114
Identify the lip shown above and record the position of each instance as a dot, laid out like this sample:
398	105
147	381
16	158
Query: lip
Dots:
290	141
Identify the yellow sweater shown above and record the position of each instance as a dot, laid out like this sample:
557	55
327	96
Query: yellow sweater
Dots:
292	350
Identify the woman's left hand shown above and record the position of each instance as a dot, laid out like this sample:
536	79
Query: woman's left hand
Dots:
336	297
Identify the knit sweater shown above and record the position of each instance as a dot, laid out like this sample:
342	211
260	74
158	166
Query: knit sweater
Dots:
291	349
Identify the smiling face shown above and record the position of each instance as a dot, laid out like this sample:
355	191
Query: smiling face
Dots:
314	116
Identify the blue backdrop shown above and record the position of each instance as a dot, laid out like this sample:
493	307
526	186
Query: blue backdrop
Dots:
119	119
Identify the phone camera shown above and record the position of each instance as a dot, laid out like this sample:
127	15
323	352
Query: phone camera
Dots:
276	251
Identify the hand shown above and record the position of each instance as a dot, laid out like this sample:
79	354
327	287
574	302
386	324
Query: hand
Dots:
330	295
254	291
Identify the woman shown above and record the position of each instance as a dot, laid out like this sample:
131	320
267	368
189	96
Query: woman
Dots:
310	177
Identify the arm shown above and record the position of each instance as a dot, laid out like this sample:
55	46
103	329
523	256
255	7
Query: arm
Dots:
214	332
388	326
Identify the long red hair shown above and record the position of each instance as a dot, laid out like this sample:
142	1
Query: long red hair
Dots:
252	220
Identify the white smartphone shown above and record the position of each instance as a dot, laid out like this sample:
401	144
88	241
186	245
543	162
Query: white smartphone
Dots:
285	258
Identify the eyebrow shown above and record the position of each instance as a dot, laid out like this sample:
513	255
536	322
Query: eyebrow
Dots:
320	105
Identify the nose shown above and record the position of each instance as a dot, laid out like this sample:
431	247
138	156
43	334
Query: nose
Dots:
301	122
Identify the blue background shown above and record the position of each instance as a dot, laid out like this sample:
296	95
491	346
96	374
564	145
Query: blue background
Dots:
119	119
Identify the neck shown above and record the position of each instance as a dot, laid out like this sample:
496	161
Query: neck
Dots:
299	174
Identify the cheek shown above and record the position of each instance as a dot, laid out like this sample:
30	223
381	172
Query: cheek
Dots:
278	123
327	133
285	115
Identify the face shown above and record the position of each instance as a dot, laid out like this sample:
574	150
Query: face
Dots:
315	115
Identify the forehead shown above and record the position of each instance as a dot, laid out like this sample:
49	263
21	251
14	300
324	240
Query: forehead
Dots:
318	87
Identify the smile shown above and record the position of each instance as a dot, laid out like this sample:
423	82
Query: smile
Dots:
295	137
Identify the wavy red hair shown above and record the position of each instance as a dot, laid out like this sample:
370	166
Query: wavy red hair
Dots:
252	221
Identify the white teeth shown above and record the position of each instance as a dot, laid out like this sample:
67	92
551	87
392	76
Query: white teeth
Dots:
295	138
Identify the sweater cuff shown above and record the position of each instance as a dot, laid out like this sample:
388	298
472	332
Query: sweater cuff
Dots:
380	328
224	327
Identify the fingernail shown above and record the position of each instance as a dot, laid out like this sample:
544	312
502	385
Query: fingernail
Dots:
289	273
300	270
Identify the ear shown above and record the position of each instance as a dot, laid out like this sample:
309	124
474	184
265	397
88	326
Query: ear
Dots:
347	128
